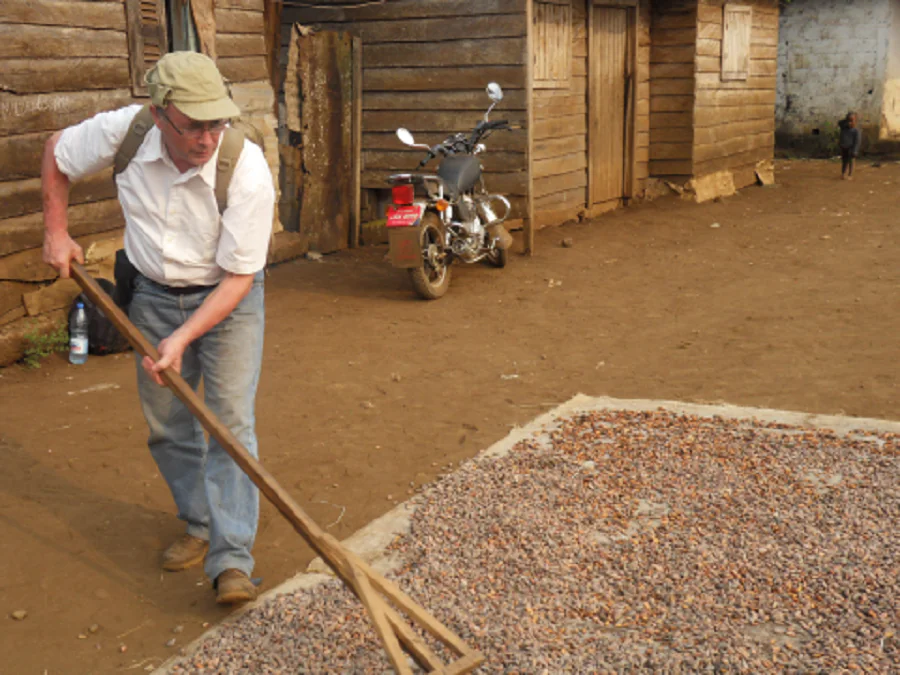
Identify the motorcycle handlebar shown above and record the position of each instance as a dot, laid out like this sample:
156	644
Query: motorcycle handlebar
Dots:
446	147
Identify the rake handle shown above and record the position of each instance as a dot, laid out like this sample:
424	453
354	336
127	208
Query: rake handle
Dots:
350	568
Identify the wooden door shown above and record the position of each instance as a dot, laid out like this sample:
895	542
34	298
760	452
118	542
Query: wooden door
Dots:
609	102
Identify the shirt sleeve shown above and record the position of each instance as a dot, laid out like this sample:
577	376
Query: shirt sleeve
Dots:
91	146
247	221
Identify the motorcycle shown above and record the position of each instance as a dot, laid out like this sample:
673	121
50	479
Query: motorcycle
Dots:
436	219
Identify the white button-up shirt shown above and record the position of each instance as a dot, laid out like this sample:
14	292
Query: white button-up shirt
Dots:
174	234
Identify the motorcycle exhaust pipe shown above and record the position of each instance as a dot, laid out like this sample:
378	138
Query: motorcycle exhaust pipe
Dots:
486	211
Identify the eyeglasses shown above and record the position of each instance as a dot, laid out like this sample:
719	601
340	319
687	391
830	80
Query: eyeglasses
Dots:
196	129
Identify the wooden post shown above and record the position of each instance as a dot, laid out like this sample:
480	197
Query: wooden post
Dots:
529	102
356	147
355	573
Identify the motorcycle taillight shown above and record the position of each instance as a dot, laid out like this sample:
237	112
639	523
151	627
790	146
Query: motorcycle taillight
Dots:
403	194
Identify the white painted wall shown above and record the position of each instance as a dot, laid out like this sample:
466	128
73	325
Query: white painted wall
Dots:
833	57
890	110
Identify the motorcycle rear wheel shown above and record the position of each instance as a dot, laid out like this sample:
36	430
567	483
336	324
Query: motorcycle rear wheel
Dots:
432	280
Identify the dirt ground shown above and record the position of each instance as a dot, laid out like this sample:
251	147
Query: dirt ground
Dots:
782	297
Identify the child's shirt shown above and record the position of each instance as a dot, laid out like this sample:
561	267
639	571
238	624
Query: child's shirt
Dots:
850	137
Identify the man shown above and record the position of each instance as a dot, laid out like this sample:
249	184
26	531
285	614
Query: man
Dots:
198	294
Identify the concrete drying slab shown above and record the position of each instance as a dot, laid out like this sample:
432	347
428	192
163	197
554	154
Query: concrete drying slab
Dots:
371	542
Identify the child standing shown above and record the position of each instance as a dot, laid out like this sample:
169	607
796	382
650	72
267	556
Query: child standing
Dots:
849	142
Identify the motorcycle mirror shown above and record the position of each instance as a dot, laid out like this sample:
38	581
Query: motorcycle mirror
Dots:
494	92
405	137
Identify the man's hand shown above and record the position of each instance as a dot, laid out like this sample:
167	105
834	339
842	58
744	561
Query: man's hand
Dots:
171	351
217	305
59	250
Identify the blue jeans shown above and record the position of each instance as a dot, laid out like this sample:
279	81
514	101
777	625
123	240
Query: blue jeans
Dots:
213	495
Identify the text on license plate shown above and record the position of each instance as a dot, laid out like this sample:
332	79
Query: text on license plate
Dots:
403	216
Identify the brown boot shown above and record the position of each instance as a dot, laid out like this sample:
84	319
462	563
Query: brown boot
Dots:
233	586
187	551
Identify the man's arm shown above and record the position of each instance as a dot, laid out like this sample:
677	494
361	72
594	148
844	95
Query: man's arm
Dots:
218	305
59	247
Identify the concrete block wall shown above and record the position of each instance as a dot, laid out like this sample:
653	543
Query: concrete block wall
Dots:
833	56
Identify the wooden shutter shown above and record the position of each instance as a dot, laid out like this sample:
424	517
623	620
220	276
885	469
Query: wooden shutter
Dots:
736	25
147	39
552	43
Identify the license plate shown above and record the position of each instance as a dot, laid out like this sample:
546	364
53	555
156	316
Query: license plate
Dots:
404	216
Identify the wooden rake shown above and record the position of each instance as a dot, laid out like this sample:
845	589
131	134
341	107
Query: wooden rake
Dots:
373	590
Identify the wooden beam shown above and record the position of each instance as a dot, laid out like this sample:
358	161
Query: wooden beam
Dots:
243	68
430	31
401	9
491	161
24	114
23	41
239	21
68	13
55	75
440	79
487	52
514	141
228	45
546	185
431	120
19	198
248	5
24	232
20	156
474	100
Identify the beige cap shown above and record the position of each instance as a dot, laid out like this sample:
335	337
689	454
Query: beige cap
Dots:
192	82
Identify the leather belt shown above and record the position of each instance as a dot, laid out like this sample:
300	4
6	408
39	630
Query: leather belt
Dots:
185	290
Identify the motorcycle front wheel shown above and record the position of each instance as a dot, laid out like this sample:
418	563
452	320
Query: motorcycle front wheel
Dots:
432	280
498	257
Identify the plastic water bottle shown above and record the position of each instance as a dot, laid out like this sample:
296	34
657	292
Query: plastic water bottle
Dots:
78	336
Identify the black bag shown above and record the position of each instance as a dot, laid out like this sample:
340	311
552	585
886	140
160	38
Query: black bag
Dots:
125	274
103	336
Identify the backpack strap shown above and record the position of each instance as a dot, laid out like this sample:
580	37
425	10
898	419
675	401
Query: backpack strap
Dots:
134	138
229	153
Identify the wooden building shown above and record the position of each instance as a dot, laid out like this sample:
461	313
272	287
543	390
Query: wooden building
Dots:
607	94
62	61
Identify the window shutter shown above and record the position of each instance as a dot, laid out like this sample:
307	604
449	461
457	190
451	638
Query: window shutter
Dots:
552	39
737	22
147	39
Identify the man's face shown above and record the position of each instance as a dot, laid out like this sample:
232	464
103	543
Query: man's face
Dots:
189	142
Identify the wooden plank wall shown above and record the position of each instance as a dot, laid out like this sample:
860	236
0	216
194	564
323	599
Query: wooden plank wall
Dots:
642	99
561	131
672	55
62	61
242	55
735	120
560	136
426	64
